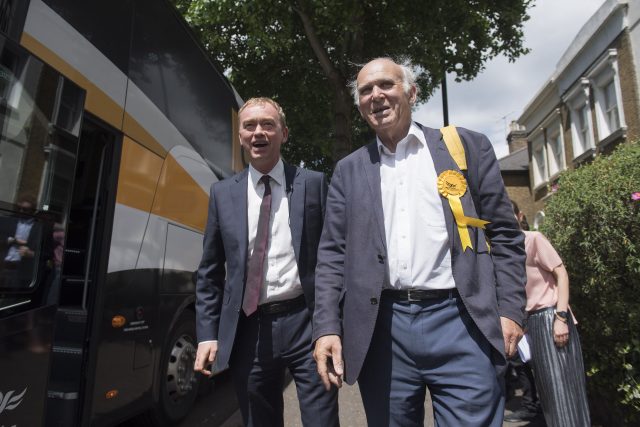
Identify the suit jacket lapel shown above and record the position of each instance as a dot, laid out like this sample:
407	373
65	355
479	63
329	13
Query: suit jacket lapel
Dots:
238	194
371	163
442	161
295	192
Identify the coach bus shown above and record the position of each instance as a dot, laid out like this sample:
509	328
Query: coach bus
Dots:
114	122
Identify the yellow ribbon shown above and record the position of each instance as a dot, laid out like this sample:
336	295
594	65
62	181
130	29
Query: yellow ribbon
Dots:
452	185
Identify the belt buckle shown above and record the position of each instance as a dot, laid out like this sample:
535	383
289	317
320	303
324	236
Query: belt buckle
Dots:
275	307
410	298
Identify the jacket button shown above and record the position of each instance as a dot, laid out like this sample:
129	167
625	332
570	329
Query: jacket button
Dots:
374	301
380	259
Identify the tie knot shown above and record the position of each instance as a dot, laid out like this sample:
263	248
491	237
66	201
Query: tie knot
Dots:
265	181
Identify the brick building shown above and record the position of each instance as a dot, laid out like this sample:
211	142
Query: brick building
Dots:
588	106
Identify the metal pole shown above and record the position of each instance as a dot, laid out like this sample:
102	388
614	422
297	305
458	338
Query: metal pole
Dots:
445	104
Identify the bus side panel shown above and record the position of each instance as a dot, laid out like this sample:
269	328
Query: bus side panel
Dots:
124	366
25	350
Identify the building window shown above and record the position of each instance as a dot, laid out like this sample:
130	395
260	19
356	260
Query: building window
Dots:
607	94
611	105
547	148
539	159
577	100
555	148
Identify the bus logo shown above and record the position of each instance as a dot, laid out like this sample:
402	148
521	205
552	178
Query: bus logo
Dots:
10	401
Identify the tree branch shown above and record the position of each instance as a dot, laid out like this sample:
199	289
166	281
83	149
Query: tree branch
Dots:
325	62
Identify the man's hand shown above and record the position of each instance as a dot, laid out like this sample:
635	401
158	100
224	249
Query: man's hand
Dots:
328	355
205	356
512	332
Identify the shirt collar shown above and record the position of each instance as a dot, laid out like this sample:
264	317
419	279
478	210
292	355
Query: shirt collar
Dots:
414	131
276	174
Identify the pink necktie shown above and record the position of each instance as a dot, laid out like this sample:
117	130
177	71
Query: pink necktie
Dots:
255	270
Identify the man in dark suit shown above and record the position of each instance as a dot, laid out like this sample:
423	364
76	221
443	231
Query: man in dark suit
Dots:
265	224
408	296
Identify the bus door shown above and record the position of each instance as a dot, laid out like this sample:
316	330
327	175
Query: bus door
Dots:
40	118
82	275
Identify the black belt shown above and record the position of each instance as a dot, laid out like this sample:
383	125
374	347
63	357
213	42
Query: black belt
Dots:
279	307
419	294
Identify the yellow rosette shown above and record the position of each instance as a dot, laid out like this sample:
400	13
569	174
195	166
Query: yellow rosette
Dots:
452	186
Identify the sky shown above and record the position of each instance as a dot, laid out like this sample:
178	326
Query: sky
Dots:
499	94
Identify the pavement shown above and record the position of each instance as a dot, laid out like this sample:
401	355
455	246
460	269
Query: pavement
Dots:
352	412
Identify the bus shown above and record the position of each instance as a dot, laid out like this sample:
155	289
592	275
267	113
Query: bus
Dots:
114	122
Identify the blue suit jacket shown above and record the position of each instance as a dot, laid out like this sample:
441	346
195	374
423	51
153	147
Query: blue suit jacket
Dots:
219	301
352	257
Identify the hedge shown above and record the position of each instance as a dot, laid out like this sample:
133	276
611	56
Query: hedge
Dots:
593	220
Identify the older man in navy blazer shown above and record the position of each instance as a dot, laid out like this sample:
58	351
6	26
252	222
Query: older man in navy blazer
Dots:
262	232
406	299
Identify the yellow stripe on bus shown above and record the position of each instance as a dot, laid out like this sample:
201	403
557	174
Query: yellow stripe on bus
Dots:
97	102
136	131
179	197
138	176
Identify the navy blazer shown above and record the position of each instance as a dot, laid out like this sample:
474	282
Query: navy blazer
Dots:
219	301
352	257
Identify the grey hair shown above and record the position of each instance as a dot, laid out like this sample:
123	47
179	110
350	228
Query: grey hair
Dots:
408	76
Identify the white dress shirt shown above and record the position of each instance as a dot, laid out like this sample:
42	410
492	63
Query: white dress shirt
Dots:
281	276
415	228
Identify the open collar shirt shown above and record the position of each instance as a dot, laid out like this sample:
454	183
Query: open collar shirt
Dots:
415	228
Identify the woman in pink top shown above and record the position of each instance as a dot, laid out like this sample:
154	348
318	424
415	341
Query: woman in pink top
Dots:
556	355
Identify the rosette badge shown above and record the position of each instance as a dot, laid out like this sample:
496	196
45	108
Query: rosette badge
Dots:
452	186
452	183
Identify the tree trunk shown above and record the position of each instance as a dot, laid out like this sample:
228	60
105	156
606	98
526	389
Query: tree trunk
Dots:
342	123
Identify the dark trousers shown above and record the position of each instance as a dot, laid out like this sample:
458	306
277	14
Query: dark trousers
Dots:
265	346
434	344
524	381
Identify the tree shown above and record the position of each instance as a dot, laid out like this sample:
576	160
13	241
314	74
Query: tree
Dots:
304	52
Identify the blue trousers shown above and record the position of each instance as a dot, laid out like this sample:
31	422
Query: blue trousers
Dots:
265	346
430	344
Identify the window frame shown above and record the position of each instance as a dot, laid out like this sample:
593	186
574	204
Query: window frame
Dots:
582	134
539	165
603	74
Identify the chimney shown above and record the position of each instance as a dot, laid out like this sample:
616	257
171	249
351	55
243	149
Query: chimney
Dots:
517	137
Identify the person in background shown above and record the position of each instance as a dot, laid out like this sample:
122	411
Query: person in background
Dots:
519	373
556	355
255	284
21	246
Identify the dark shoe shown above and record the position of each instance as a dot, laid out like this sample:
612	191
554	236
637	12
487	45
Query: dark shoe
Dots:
520	415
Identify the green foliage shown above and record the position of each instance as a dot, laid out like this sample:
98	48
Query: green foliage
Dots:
302	53
594	223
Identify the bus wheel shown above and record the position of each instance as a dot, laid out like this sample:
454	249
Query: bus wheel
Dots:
178	382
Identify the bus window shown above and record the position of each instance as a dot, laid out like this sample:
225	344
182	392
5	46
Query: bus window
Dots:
40	115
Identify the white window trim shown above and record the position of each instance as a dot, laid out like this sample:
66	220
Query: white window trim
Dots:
552	128
538	144
540	140
576	100
551	124
605	70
